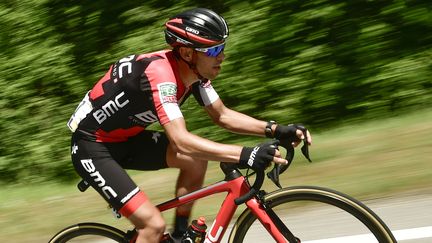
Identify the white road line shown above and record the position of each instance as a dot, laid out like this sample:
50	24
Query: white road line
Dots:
406	234
416	233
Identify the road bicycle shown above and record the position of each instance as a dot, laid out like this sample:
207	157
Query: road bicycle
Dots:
284	215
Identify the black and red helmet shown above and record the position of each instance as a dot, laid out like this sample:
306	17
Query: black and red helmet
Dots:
196	28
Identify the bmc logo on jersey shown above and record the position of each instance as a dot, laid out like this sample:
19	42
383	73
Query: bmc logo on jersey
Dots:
123	64
110	108
147	117
97	177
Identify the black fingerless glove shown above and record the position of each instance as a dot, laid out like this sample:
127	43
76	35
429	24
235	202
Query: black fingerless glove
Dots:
258	157
287	133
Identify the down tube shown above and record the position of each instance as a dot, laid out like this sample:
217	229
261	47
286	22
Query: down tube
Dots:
222	220
265	220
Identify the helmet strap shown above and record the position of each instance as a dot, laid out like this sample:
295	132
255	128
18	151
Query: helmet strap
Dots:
191	64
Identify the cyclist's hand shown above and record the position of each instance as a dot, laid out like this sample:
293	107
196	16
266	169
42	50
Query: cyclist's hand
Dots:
292	134
260	156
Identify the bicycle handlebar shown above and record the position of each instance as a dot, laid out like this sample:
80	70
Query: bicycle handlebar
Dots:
277	169
259	180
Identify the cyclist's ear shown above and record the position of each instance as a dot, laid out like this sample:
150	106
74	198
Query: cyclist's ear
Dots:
185	53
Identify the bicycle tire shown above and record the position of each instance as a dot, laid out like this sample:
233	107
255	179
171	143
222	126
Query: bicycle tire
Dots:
74	232
316	195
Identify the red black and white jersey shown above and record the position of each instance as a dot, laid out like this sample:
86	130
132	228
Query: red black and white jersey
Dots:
138	90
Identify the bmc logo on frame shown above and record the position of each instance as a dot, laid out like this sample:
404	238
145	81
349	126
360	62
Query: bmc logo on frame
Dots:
213	238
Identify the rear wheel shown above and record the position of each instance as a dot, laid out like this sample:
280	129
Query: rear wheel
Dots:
89	232
313	213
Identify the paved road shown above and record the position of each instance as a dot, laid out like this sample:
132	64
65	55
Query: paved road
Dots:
409	216
408	212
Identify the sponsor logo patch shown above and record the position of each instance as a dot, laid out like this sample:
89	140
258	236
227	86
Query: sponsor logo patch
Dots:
167	92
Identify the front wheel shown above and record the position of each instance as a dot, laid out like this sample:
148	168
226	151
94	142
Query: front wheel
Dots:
89	232
312	214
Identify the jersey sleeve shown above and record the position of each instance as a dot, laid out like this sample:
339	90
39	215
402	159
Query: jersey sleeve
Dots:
164	91
204	93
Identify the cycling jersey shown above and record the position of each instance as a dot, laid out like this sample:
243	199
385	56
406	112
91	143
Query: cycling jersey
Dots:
109	124
136	92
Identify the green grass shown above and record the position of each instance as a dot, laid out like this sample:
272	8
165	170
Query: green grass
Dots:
374	159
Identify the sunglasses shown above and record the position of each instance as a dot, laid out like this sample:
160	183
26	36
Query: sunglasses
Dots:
212	51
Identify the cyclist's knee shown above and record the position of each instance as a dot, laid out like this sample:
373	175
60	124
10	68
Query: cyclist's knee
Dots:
200	166
195	172
185	162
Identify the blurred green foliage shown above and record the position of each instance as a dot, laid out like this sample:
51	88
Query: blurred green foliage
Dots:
322	63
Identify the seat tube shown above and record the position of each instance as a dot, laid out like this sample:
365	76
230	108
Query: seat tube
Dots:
265	220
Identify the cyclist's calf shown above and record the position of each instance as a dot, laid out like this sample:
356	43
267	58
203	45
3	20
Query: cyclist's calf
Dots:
148	222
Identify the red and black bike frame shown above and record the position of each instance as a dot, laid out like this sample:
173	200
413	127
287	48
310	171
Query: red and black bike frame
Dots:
238	191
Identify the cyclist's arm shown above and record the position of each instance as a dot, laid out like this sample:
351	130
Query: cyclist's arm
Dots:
235	121
187	143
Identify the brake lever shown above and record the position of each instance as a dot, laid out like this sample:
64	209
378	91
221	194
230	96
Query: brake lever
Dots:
305	147
305	150
273	175
278	169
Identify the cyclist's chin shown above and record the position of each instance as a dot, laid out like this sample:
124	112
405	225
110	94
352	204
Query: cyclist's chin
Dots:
215	72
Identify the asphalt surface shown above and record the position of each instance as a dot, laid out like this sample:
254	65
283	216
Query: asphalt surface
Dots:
408	215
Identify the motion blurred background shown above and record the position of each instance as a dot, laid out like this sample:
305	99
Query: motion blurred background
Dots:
357	73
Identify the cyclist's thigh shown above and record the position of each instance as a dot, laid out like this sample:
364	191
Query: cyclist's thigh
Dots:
94	163
146	151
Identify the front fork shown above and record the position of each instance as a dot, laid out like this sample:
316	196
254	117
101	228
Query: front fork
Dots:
283	229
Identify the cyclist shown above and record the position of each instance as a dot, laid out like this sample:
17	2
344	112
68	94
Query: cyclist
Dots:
109	132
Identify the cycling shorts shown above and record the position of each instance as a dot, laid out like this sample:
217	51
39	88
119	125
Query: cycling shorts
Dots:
103	166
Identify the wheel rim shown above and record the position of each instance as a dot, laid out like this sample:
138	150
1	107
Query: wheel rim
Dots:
312	221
